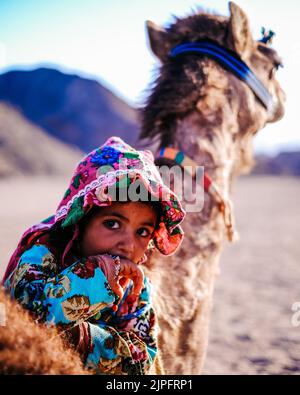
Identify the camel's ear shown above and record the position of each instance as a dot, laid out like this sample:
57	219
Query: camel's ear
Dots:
239	30
158	40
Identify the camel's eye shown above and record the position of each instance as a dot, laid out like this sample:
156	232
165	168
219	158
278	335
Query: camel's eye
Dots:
272	57
274	69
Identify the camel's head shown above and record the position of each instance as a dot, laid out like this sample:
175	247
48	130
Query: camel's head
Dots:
233	33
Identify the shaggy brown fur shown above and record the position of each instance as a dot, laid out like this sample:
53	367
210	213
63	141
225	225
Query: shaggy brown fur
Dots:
29	348
206	112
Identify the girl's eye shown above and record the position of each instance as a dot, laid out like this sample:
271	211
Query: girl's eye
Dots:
144	232
110	224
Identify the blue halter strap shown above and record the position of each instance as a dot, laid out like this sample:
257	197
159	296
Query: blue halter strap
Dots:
232	63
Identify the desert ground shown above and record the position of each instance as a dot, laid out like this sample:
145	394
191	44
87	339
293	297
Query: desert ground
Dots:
252	331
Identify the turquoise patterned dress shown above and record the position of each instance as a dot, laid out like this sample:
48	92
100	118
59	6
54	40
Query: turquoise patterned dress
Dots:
80	296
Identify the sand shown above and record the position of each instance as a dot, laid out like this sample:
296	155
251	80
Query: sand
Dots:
251	325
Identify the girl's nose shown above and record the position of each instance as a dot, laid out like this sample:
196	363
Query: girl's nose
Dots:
127	245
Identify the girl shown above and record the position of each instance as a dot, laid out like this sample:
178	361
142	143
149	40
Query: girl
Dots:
80	268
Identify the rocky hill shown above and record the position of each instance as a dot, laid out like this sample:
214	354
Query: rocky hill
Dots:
26	149
76	110
285	163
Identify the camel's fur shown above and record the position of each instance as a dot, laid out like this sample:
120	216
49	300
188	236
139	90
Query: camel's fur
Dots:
29	348
203	110
211	116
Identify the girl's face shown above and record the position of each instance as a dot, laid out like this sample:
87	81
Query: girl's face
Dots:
123	229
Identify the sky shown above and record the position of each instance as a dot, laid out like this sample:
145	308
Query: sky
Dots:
106	40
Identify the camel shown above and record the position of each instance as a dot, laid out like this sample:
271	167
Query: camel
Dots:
201	109
204	111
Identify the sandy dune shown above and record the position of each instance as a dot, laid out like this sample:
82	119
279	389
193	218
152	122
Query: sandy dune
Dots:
251	328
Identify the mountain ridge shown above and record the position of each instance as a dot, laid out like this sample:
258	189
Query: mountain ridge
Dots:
74	109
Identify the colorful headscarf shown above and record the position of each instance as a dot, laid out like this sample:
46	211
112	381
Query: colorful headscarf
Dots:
114	164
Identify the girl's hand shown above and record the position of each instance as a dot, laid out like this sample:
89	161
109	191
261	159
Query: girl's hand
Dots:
118	275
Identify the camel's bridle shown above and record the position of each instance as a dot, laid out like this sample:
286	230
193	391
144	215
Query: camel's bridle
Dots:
233	63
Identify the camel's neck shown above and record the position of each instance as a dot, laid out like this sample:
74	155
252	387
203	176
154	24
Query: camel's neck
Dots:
209	144
191	271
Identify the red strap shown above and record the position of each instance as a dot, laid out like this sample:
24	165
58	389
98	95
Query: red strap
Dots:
207	182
